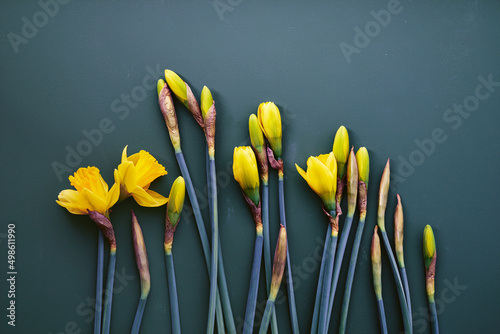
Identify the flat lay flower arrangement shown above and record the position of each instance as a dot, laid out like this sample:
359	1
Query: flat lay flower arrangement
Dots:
343	173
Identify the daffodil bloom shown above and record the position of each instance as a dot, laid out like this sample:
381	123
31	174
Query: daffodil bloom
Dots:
176	200
91	194
134	175
246	172
341	150
270	123
363	160
321	176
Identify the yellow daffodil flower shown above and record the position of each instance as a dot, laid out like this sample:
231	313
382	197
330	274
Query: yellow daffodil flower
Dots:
270	123
176	200
246	172
176	85
341	150
92	193
321	176
363	160
134	175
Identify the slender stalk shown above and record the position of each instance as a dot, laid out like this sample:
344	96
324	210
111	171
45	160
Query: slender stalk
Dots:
399	285
267	248
433	313
338	261
106	320
327	283
381	316
350	275
215	245
202	231
317	303
98	286
266	317
138	315
406	287
254	285
172	292
289	281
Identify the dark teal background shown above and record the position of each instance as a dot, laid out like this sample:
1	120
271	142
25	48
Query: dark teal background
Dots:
392	96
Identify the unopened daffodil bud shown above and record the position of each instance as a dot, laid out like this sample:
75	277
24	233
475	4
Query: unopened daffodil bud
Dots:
176	200
376	264
246	172
256	135
278	264
206	101
168	111
341	150
321	176
382	196
177	85
429	260
141	256
399	232
159	85
208	114
352	183
270	123
363	160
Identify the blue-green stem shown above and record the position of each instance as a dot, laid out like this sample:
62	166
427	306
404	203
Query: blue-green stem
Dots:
266	317
138	314
350	276
98	286
433	313
327	281
212	196
317	303
202	232
381	316
399	285
289	281
338	260
108	301
254	285
172	292
267	248
406	287
221	279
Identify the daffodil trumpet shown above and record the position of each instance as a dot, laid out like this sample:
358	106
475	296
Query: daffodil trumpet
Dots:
429	250
382	204
362	168
341	152
376	258
280	256
106	228
141	258
168	111
174	209
327	278
352	194
398	242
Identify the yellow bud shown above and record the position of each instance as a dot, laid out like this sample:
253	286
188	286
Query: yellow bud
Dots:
270	123
159	86
256	135
206	101
177	85
363	160
429	243
176	200
341	149
246	172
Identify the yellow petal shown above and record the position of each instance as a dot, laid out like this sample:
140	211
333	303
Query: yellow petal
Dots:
320	178
73	201
147	168
97	203
301	172
128	177
148	198
113	195
270	123
331	164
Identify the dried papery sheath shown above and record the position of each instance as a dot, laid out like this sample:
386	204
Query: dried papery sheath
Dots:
105	226
382	196
168	110
352	183
209	115
141	256
279	263
399	232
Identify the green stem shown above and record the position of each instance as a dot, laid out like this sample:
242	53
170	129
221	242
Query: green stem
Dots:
399	285
350	276
201	228
433	313
327	284
106	320
215	245
267	248
99	279
138	315
338	261
266	317
406	287
381	316
254	285
289	281
317	303
172	292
